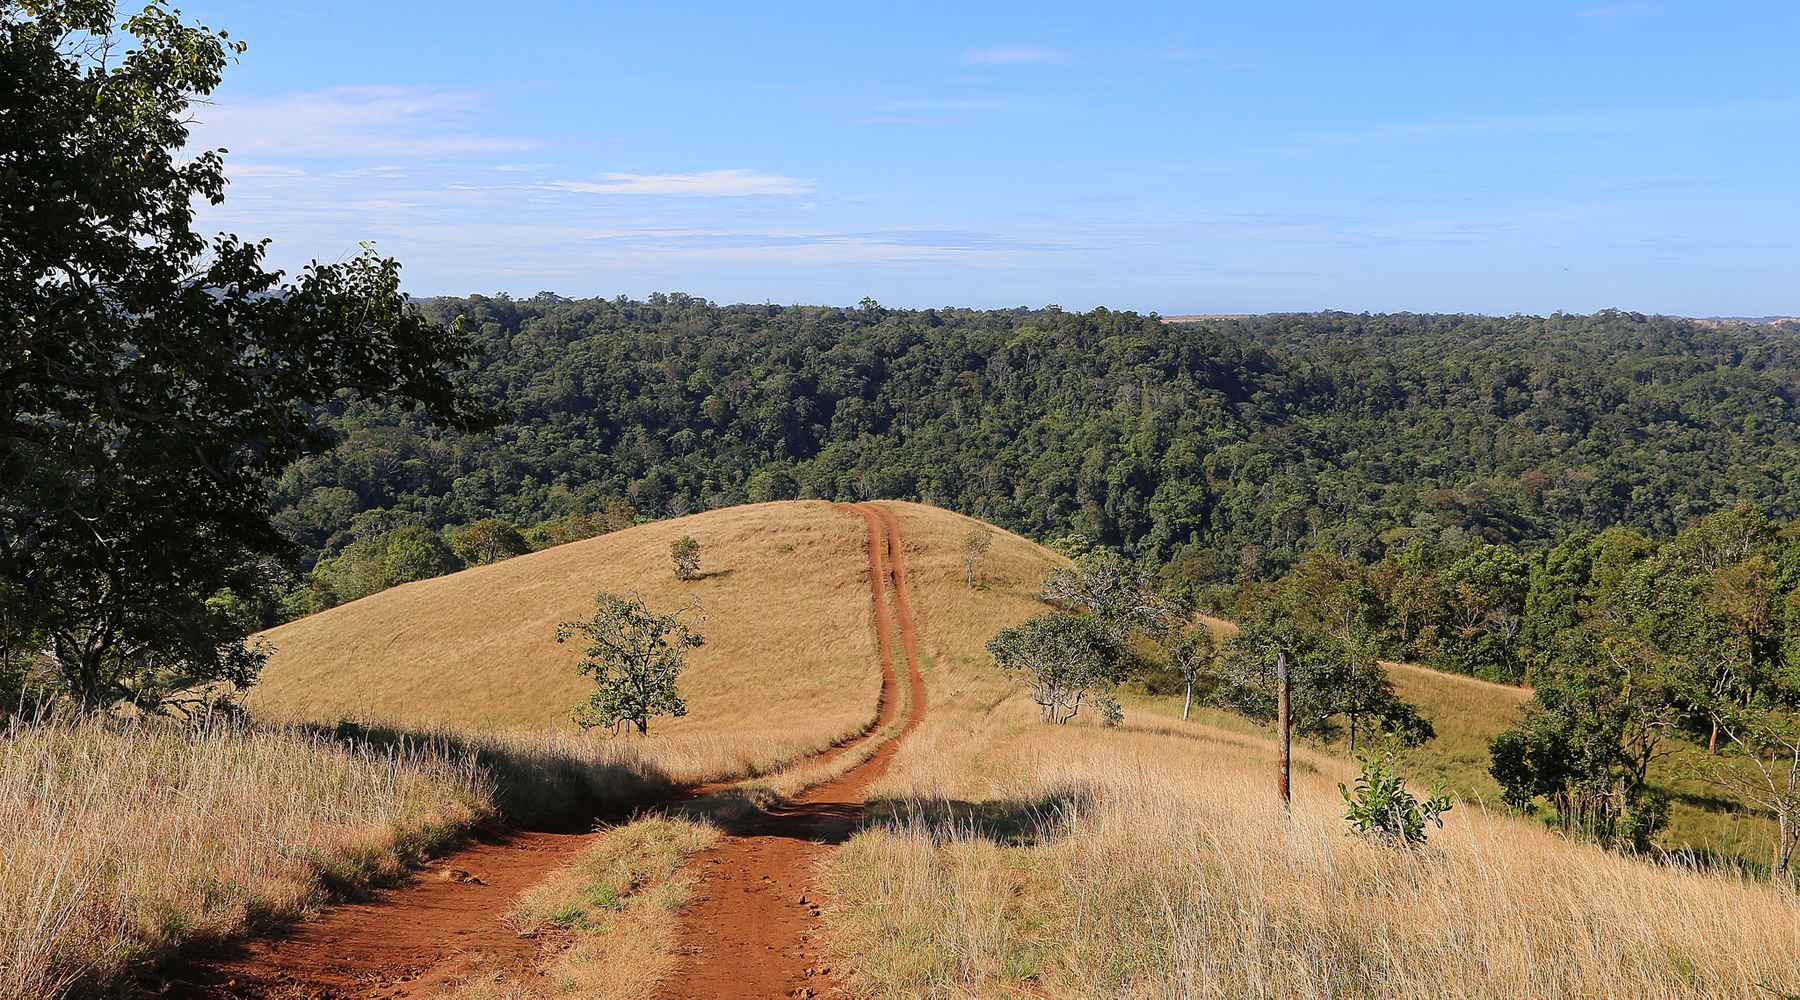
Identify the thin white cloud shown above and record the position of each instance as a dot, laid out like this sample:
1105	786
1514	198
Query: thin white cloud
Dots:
702	184
1001	55
345	122
262	170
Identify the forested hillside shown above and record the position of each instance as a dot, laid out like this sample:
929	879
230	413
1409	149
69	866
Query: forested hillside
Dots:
1228	447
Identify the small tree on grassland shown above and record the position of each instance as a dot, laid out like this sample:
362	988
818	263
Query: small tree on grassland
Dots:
1066	657
1383	809
975	545
1191	653
684	552
635	656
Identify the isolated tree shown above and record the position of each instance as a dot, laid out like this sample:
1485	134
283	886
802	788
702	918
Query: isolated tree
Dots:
1066	658
1762	767
975	544
1191	654
153	382
684	552
487	540
635	656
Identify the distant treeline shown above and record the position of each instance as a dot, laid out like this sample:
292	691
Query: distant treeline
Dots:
1226	448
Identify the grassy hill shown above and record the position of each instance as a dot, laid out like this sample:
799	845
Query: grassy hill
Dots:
1153	860
784	595
1014	858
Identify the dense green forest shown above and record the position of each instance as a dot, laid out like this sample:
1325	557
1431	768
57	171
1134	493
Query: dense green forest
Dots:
1225	448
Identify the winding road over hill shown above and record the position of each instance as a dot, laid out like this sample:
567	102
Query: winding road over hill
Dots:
748	930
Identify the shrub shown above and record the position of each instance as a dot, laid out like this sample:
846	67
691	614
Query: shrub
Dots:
684	552
1383	809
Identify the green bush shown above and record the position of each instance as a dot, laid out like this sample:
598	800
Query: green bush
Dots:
1382	808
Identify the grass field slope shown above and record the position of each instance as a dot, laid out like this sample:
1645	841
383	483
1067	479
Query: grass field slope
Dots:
783	591
1154	860
1002	856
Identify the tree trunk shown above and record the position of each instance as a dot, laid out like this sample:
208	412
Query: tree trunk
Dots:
1283	723
1712	742
1189	703
1352	734
1786	838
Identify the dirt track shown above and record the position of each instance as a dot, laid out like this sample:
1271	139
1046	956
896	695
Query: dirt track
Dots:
745	934
749	929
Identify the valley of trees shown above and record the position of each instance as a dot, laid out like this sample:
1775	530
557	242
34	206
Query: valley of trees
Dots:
1226	449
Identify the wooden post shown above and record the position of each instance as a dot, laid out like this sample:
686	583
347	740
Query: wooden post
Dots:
1284	723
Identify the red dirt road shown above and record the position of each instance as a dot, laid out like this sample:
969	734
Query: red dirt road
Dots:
750	928
746	933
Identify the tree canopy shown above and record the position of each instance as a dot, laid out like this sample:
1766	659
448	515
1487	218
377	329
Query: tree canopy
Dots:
154	382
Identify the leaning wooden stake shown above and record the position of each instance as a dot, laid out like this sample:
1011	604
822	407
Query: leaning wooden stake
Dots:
1283	688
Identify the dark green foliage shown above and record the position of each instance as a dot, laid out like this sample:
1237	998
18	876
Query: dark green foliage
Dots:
635	656
1635	643
153	383
1327	618
405	554
1383	809
1230	447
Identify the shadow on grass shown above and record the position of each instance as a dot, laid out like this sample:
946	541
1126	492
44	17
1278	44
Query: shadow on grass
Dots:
1027	822
537	787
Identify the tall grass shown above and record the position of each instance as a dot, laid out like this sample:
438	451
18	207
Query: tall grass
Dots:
1081	862
122	840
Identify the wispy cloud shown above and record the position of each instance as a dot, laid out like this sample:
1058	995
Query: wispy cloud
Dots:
703	184
263	170
999	55
345	122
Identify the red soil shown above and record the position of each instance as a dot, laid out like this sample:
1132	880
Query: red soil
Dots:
746	933
750	928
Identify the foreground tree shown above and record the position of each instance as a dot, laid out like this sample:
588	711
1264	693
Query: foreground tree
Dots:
1598	721
635	656
152	383
1122	598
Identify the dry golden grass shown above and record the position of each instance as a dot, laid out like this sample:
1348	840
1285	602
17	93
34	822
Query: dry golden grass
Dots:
1090	863
1019	859
130	841
122	841
790	644
608	917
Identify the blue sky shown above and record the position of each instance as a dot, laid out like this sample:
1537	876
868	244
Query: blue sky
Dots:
1199	157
